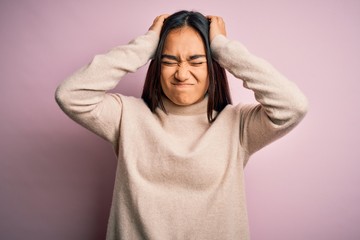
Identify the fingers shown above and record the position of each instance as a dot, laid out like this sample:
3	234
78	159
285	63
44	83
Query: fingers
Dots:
158	23
217	26
215	19
161	18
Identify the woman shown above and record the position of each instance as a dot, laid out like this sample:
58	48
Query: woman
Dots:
181	148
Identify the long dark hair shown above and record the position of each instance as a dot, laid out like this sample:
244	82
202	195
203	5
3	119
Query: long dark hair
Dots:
218	92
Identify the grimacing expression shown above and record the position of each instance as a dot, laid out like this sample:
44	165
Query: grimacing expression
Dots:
184	74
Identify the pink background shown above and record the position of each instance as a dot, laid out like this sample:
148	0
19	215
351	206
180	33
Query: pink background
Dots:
56	178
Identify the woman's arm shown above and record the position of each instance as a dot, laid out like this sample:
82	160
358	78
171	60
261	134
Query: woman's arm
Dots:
281	104
83	95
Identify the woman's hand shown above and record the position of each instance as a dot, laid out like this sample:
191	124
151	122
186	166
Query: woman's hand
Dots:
158	23
217	26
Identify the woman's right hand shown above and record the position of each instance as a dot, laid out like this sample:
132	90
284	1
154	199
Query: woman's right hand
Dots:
217	26
158	23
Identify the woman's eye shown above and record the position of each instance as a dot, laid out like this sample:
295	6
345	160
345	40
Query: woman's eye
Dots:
169	63
197	63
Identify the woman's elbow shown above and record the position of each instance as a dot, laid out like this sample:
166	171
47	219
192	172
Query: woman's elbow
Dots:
62	97
302	106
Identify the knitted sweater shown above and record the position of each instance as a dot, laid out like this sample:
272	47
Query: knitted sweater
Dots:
178	176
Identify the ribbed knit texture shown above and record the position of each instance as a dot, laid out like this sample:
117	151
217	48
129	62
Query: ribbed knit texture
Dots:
178	176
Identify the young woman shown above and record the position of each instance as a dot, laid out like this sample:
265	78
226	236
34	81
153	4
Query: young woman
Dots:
183	147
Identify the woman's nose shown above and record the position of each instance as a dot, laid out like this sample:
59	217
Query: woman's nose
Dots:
182	72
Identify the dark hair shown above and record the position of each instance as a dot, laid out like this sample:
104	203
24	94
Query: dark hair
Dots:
218	91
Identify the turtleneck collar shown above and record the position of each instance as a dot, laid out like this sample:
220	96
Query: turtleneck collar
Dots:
193	109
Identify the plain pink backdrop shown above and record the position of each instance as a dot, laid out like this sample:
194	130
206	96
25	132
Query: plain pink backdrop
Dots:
56	178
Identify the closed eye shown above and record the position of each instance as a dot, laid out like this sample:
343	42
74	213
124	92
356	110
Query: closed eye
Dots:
196	64
166	63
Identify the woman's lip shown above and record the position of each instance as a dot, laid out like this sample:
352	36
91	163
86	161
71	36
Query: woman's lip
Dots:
182	84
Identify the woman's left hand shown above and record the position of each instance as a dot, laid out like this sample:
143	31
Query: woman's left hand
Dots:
217	26
158	23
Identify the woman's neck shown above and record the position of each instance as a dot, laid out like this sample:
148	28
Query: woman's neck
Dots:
193	109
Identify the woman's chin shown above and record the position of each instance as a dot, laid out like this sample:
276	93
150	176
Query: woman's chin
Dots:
184	102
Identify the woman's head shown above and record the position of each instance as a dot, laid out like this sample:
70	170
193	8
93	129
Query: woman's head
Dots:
183	69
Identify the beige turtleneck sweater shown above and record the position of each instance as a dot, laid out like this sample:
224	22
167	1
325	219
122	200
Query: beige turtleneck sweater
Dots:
179	177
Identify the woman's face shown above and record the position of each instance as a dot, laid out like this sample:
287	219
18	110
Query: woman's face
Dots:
184	75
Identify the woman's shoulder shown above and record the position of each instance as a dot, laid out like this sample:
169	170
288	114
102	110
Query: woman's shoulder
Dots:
129	100
239	108
132	103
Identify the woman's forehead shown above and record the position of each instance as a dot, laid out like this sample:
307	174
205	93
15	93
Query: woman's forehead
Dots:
185	40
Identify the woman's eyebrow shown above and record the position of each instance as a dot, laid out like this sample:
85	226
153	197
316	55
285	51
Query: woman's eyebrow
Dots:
193	57
172	57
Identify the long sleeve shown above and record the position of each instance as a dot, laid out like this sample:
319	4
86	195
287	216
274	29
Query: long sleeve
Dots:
281	104
83	96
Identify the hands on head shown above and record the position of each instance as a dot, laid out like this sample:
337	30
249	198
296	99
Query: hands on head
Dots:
217	25
158	23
